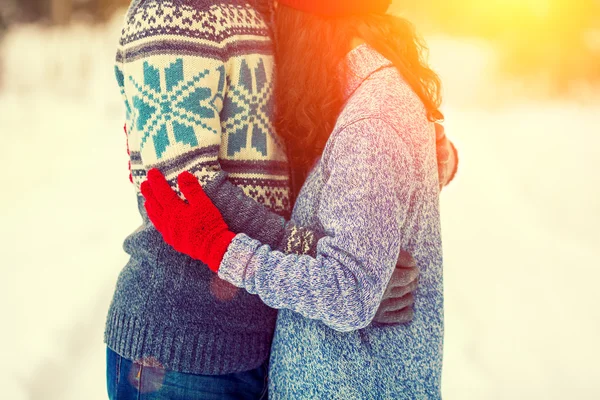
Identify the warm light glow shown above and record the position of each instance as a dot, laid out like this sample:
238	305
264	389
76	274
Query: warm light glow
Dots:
535	38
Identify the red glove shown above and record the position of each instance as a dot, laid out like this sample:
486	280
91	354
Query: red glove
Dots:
195	228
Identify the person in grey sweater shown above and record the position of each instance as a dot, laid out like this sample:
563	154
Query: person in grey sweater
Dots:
372	190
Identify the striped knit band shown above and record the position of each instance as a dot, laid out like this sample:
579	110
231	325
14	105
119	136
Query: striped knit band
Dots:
338	8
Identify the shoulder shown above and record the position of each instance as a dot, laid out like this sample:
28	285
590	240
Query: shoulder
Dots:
369	139
383	117
386	96
387	112
205	20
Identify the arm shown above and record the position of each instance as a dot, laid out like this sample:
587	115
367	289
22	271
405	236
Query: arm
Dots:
196	227
447	156
244	215
362	211
174	104
181	114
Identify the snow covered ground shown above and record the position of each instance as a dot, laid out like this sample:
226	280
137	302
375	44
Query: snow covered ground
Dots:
521	234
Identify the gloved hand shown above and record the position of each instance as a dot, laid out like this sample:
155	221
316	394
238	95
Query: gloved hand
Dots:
397	304
447	157
195	228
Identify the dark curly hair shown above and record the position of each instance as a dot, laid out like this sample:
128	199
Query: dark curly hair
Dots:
309	91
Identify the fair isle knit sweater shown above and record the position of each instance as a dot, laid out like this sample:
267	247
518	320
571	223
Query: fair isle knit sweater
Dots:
374	191
197	80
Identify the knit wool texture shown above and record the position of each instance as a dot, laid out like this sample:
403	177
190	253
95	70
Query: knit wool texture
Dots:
194	227
197	81
374	191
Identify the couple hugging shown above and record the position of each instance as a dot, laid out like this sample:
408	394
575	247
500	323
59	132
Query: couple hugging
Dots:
288	165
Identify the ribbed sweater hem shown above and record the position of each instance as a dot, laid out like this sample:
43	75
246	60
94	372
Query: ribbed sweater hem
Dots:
192	349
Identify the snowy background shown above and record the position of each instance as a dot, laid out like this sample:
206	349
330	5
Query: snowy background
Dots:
521	235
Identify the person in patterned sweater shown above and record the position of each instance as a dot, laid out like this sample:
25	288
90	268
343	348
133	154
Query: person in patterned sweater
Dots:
197	83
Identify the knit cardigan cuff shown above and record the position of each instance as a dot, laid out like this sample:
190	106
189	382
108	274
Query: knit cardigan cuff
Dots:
235	263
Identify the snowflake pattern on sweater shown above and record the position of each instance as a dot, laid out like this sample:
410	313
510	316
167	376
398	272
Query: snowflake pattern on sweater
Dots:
197	83
196	78
183	106
247	109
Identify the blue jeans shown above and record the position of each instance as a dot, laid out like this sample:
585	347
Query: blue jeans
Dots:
127	380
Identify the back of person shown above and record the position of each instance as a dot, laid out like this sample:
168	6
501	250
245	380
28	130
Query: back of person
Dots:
197	81
309	359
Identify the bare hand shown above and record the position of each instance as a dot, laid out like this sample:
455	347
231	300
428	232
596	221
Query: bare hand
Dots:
397	304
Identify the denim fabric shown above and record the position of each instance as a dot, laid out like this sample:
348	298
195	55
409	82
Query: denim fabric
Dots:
127	380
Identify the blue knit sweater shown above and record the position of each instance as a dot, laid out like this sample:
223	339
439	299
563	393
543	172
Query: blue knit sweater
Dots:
374	191
197	82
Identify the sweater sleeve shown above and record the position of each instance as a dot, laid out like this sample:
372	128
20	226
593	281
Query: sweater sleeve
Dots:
174	124
186	108
244	215
369	181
